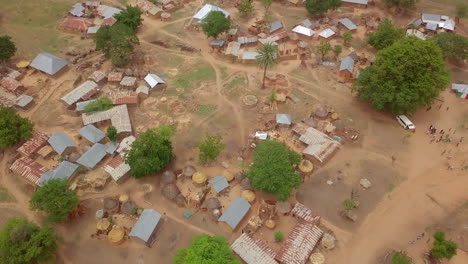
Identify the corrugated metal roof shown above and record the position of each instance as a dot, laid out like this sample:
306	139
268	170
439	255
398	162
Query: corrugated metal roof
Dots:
29	169
247	40
111	147
93	3
63	171
107	11
347	63
118	115
431	18
91	133
128	81
125	145
142	89
250	55
23	100
217	42
206	9
93	156
117	168
306	23
235	212
431	26
233	48
275	26
48	63
80	24
80	92
253	251
448	25
362	2
77	10
348	23
219	183
299	244
320	146
304	213
326	33
10	84
93	30
461	88
303	31
146	224
60	142
284	119
80	106
152	80
31	146
114	76
123	97
415	22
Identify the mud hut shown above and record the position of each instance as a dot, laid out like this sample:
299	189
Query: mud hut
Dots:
339	125
306	166
211	204
116	235
283	207
170	191
245	183
103	224
189	171
199	178
180	200
228	175
127	207
111	205
321	113
239	176
167	177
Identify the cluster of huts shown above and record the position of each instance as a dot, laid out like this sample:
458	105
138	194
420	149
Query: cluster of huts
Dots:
430	24
161	9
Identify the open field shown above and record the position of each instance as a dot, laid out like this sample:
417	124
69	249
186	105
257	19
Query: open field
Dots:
412	190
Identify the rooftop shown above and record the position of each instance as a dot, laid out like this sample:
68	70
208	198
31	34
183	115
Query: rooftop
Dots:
117	168
152	80
253	251
128	81
83	91
63	171
60	142
235	212
24	100
80	106
118	115
146	224
206	9
115	76
125	144
347	63
284	119
250	55
91	133
38	140
76	23
348	23
275	26
219	183
93	156
326	33
303	31
48	63
361	2
304	213
299	244
29	169
123	97
10	84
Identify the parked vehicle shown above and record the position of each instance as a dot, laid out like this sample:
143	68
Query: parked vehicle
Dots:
406	123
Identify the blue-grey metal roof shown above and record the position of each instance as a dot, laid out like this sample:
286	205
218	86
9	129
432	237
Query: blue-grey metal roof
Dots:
416	22
347	64
431	26
78	10
146	224
206	9
306	23
219	183
63	171
275	26
111	147
358	73
48	63
91	133
362	2
284	119
80	106
431	18
461	88
93	156
60	142
250	55
348	23
23	100
235	212
217	42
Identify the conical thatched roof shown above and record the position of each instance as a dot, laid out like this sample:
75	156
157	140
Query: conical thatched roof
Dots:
248	195
211	203
180	200
103	224
128	206
167	177
239	176
321	112
306	166
245	183
111	205
170	191
199	177
123	198
228	175
283	207
189	171
116	235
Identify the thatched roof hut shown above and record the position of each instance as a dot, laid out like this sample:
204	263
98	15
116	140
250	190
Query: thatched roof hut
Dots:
170	191
248	195
127	207
180	200
211	203
103	224
123	198
321	113
306	166
189	171
111	205
199	178
283	207
167	177
239	176
116	235
245	183
228	175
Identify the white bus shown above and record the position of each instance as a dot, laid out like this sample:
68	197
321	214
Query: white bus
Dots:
405	122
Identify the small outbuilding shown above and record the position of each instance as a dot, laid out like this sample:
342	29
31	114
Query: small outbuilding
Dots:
128	82
283	119
48	63
153	80
275	26
65	170
144	230
235	213
327	33
24	101
62	143
461	90
347	68
348	24
91	133
219	183
93	156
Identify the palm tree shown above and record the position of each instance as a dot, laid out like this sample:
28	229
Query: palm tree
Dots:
267	57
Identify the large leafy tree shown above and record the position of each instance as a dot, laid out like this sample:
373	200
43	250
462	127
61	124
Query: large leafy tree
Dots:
406	76
386	35
267	58
207	250
112	134
23	242
117	42
56	199
453	46
400	258
215	23
401	3
151	152
318	7
130	17
210	148
246	8
7	48
13	128
324	47
443	248
273	169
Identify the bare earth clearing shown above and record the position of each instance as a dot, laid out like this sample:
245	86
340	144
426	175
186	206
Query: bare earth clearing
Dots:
414	194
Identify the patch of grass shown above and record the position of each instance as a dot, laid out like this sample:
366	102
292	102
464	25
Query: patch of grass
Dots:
5	196
224	73
205	109
163	108
191	78
235	82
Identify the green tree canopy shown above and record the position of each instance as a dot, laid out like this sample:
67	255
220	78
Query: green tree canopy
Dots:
246	8
23	242
279	236
318	7
400	258
337	49
131	17
101	104
324	47
56	199
273	169
401	3
210	148
215	23
386	35
206	249
117	42
347	37
267	58
406	76
151	152
7	48
112	133
13	128
453	46
442	248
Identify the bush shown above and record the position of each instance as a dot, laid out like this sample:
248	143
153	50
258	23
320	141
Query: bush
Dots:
246	8
318	7
101	104
7	48
210	148
117	42
442	248
400	258
206	249
112	133
13	128
131	17
349	204
279	236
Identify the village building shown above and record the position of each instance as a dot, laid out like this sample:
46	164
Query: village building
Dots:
219	183
303	31
144	230
415	23
205	10
275	26
355	3
78	10
125	145
97	77
303	213
348	24
128	82
12	85
433	22
233	49
347	68
142	91
217	44
117	168
45	152
319	145
93	156
91	133
65	170
235	213
283	119
249	56
48	63
416	33
30	147
108	21
115	76
28	169
92	30
299	244
76	24
253	251
107	11
248	41
306	23
461	90
83	92
146	6
62	143
153	80
80	106
92	5
118	117
327	33
123	97
24	101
